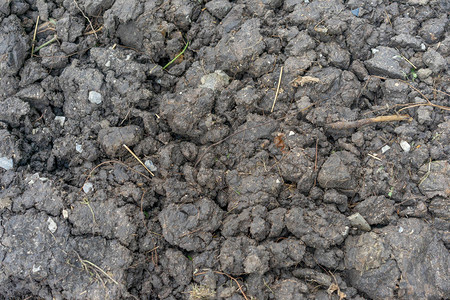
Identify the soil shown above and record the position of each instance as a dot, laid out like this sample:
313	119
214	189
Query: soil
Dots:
251	189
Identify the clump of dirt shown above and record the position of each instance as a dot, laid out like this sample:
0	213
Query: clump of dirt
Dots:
224	149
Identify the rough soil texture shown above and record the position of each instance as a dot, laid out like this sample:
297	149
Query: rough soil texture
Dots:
250	199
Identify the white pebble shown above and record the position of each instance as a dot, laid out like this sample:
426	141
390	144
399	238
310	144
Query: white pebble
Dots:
87	187
405	146
95	97
291	133
149	164
51	225
6	163
79	148
385	148
65	213
60	119
400	229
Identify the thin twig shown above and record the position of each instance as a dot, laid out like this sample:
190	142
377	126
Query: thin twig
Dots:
34	36
411	105
84	262
278	90
100	269
363	122
137	158
90	23
232	278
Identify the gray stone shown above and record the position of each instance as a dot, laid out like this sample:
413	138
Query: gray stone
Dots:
95	97
424	73
215	81
6	163
434	61
387	62
358	221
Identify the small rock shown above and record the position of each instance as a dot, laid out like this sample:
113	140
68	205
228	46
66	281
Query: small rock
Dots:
51	225
434	61
424	73
150	165
215	81
387	62
385	148
79	148
358	221
418	2
87	187
95	97
405	146
65	213
61	120
6	163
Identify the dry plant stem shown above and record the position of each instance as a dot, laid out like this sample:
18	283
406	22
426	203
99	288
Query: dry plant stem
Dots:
137	158
363	122
411	105
84	262
90	23
112	162
34	36
278	90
